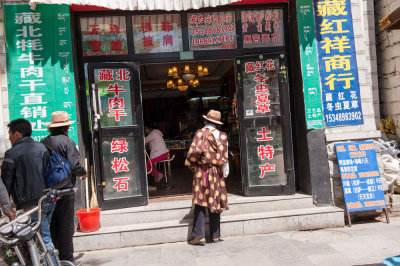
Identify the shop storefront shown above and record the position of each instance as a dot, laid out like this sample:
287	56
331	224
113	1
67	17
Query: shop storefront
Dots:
282	90
168	69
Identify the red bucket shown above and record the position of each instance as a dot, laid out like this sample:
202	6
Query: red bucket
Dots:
89	221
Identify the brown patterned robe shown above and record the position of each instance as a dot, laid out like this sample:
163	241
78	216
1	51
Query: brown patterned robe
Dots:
205	157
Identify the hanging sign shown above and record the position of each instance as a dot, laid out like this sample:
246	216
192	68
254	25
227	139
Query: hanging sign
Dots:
359	172
309	65
157	33
104	35
214	30
263	28
39	65
338	63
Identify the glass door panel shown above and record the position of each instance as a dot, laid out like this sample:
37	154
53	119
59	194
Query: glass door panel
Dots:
264	121
118	137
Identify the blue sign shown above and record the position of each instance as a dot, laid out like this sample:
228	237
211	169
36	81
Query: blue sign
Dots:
359	172
337	63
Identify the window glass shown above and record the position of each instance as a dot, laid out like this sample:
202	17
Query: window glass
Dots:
121	167
104	36
157	33
262	28
115	95
265	155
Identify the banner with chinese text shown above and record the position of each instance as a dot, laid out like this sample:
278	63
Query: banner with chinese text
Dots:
359	172
39	65
104	35
338	63
216	30
157	33
263	28
309	65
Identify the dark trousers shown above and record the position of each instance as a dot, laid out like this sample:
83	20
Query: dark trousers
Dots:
62	227
199	222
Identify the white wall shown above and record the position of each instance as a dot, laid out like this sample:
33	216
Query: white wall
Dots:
388	46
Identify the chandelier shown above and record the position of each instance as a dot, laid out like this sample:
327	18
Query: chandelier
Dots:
181	79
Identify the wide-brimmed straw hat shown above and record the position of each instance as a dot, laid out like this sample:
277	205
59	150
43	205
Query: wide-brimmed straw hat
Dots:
213	116
59	119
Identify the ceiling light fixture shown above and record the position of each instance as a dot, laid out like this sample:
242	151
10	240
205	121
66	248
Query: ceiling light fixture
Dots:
183	77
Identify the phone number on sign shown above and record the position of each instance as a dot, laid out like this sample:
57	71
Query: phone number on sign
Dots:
213	40
343	117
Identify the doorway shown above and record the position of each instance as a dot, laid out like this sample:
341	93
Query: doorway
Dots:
175	96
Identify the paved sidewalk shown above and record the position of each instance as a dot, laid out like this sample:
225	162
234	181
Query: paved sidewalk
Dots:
362	244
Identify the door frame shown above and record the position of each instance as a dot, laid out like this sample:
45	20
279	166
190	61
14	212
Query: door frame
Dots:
135	130
286	127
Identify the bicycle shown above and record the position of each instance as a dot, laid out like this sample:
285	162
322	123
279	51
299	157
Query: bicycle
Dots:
21	240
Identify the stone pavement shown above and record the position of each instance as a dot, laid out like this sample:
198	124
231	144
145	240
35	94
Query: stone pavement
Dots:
362	244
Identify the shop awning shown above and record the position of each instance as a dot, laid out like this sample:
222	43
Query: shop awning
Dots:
135	5
391	21
140	4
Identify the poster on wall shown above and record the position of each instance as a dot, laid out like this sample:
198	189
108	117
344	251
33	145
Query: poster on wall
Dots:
40	71
104	35
263	28
309	65
214	30
157	33
338	63
359	173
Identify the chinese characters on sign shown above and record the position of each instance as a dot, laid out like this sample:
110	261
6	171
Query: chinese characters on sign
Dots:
157	33
359	172
40	70
120	170
115	96
337	63
265	155
309	65
262	28
104	35
265	151
214	30
261	89
258	86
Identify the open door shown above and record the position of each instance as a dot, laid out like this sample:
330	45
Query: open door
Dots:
117	135
265	128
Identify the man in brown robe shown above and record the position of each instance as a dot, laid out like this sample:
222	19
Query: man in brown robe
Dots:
208	158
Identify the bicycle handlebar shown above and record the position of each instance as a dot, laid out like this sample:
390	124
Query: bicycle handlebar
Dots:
53	195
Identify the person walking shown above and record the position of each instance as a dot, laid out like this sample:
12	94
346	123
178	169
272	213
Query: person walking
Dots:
208	158
22	173
62	223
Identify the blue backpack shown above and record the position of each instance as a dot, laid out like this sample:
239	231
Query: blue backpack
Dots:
57	172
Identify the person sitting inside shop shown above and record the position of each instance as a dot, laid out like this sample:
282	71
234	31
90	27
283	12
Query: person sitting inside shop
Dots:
158	151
